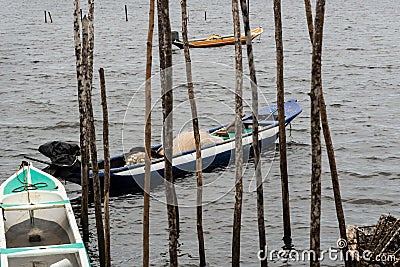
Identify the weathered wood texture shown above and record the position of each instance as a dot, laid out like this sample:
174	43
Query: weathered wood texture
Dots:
147	138
84	141
237	217
256	147
106	150
329	147
165	44
315	225
287	232
196	132
92	135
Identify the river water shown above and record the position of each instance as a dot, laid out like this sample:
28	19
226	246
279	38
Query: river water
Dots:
361	62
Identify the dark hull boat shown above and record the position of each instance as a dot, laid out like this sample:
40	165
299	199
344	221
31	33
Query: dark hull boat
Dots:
127	176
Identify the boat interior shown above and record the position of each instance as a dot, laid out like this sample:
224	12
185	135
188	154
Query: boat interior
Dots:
39	219
217	135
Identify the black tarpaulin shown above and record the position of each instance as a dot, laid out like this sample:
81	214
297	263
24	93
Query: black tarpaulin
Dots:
60	153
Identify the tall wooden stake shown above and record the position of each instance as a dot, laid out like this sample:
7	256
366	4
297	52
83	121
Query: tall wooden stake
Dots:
92	135
165	44
256	147
315	227
84	142
196	132
237	218
329	148
310	26
287	232
147	138
106	149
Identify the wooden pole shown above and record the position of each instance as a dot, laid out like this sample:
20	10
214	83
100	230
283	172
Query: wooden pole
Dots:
315	226
161	51
310	25
330	149
147	177
51	20
161	46
92	135
256	147
126	13
95	175
237	218
287	232
84	144
167	100
106	149
45	16
196	132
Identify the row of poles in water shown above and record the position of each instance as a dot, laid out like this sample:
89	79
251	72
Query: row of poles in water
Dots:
84	45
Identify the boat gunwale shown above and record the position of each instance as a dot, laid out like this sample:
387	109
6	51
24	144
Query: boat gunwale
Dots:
223	40
264	128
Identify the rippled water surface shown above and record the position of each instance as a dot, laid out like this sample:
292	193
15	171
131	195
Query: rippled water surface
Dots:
361	64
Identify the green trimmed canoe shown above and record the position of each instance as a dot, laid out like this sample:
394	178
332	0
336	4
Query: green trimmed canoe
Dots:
38	226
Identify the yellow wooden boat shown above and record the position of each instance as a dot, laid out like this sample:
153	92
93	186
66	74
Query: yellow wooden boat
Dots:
213	40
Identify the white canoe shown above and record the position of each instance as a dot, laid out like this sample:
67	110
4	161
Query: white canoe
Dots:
37	226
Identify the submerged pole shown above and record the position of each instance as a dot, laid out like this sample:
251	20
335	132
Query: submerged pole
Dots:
237	217
329	148
147	138
106	149
84	143
287	232
256	147
45	16
196	132
126	13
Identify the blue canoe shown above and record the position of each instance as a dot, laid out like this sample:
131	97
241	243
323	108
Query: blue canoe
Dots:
130	178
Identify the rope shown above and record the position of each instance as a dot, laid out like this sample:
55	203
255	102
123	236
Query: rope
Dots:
25	185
